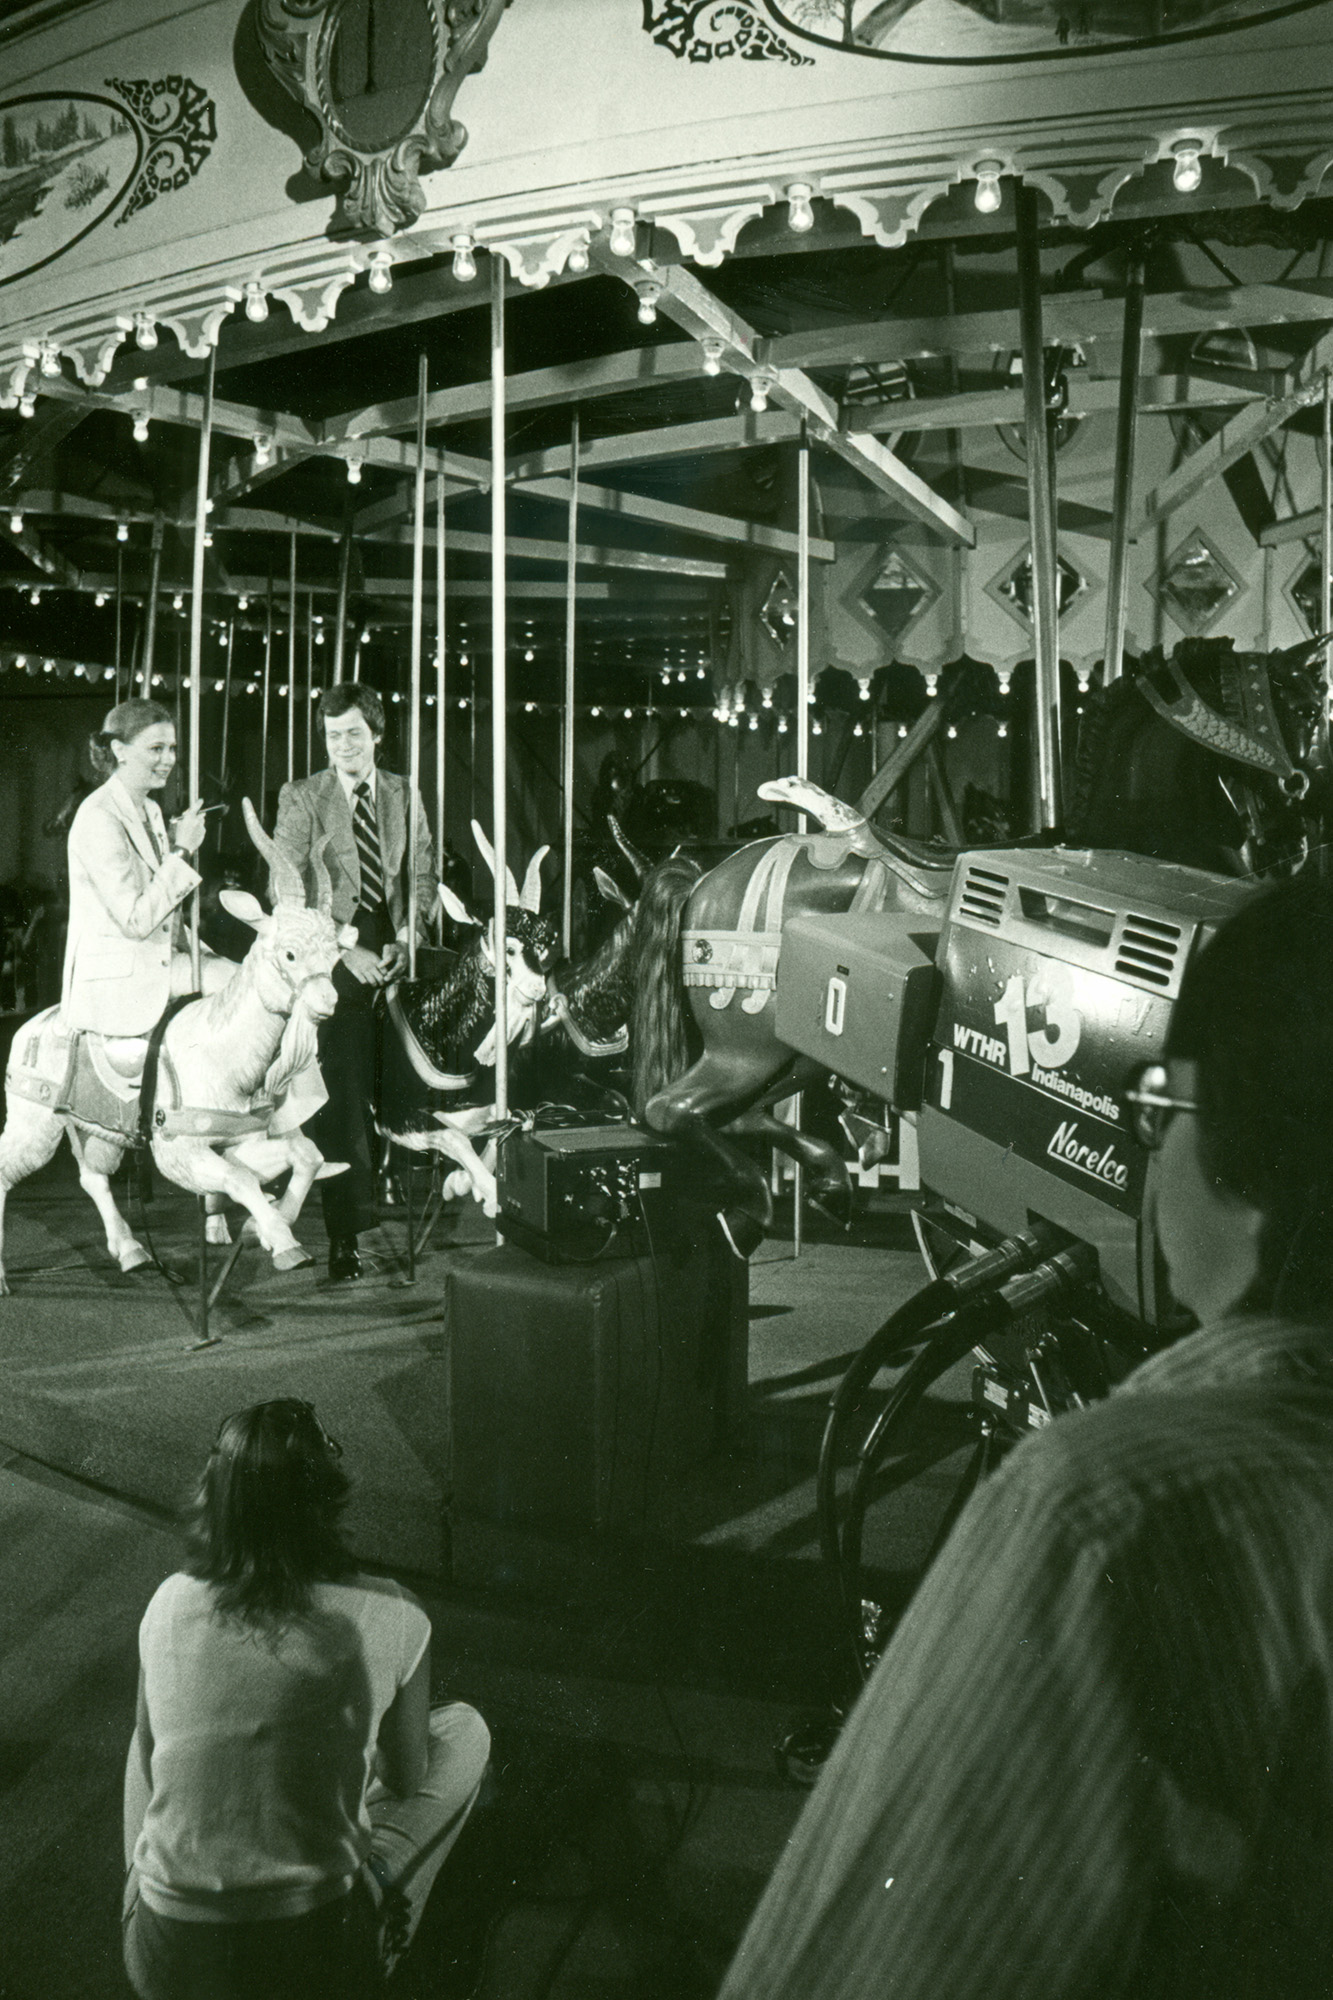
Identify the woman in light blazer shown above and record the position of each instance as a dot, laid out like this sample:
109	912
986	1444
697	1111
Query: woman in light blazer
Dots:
127	880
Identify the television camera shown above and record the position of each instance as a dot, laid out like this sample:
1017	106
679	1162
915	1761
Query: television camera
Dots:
1006	1035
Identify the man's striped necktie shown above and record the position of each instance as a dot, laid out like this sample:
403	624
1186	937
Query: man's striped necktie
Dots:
366	829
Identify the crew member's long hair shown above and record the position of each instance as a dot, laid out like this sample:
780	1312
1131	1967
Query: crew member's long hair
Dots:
1255	1014
264	1522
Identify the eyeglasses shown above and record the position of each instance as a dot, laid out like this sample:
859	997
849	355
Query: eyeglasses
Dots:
1149	1105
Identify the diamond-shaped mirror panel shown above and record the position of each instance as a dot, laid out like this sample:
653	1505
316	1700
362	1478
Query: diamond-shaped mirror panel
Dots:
1013	586
1306	594
899	595
778	610
1195	584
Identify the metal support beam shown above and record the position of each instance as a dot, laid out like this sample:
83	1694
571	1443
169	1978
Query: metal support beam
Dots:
1236	439
154	585
1041	512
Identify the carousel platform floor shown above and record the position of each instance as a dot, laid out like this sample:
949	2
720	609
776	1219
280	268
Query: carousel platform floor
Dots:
637	1805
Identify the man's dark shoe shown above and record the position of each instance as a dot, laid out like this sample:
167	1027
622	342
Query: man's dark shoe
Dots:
345	1258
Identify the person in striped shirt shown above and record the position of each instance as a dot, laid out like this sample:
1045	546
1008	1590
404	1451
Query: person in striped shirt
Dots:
1096	1759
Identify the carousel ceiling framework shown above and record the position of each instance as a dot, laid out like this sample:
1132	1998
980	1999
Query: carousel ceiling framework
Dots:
693	390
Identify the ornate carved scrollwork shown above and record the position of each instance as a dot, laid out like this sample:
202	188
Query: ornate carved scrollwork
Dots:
380	77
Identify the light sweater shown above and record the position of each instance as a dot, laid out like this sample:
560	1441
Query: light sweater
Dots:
262	1746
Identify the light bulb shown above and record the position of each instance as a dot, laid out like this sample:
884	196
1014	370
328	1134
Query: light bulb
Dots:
594	711
1084	682
679	677
365	635
208	539
629	715
932	684
381	272
766	698
902	731
577	259
624	234
319	638
34	597
20	661
27	404
463	659
141	427
782	725
354	472
256	305
108	673
733	721
145	333
760	385
1004	682
951	732
100	599
701	674
48	357
800	215
987	197
863	682
430	701
754	722
178	602
16	523
395	696
465	264
1188	170
242	602
462	701
649	292
529	707
816	727
1003	729
218	686
122	531
263	444
712	356
528	653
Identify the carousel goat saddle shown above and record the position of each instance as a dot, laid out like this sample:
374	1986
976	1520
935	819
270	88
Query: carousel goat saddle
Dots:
93	1079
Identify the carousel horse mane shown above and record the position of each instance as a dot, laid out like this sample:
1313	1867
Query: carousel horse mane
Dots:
661	1037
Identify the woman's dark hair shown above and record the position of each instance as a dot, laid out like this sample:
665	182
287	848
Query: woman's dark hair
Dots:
1255	1014
264	1522
345	695
122	724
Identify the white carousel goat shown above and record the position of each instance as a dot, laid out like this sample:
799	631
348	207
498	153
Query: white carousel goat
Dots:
447	1028
226	1118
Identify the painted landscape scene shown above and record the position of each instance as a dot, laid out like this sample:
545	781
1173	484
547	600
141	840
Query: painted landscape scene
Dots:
64	162
987	30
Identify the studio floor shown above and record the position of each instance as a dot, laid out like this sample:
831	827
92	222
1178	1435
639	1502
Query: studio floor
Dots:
637	1802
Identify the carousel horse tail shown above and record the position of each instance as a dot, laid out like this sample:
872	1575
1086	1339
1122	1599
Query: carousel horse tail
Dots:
660	1028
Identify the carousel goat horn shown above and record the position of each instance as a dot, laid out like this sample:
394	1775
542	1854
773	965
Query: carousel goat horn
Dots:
323	881
638	862
284	877
530	896
488	856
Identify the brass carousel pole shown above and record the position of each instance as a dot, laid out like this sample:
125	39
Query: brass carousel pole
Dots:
1041	513
150	626
226	703
499	681
567	742
309	703
414	680
263	706
802	740
1326	554
120	613
197	633
291	661
1122	492
1325	495
344	575
439	678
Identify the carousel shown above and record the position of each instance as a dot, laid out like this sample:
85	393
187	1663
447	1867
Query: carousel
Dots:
836	504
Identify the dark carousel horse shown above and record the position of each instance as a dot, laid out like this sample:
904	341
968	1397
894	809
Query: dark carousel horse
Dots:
1209	758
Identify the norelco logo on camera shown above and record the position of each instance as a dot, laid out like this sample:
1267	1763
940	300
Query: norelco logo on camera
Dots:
1066	1145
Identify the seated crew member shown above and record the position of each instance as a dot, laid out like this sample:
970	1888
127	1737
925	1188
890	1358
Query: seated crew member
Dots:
361	812
1096	1759
287	1774
127	881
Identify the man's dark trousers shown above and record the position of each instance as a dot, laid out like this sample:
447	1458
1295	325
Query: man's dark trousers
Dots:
344	1128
